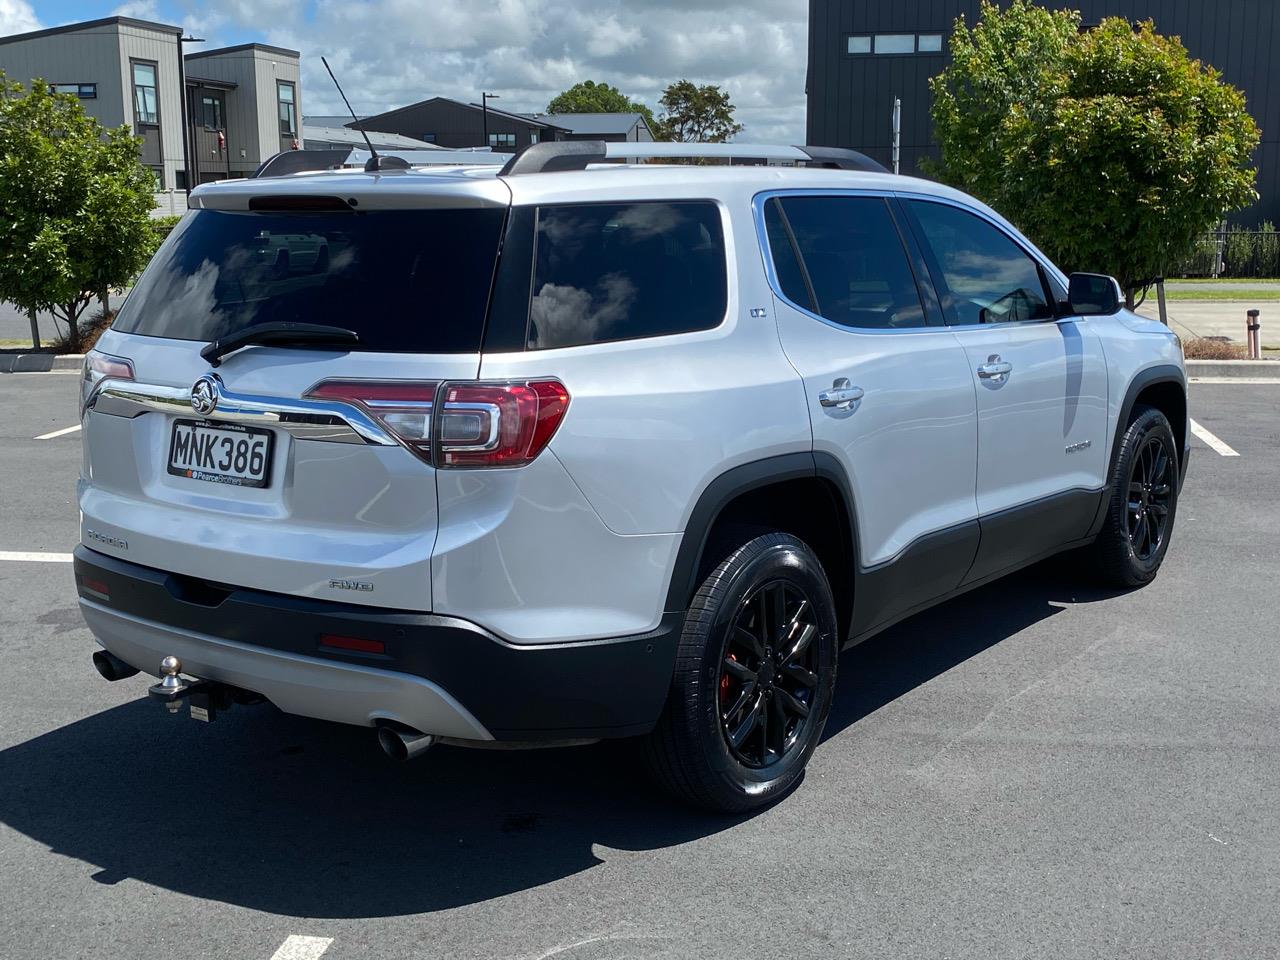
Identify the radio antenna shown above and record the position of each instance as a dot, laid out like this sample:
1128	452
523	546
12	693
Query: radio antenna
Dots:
374	163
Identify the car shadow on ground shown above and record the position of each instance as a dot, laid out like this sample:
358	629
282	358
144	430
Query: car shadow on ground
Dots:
300	818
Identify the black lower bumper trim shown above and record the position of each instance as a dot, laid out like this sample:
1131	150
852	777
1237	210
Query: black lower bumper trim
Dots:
596	688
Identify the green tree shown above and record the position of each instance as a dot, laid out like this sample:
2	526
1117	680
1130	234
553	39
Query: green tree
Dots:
694	114
591	97
1111	148
77	205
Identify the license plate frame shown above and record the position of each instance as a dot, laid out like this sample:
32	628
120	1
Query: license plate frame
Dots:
214	476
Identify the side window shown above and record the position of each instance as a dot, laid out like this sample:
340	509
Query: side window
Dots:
856	265
786	266
618	271
985	276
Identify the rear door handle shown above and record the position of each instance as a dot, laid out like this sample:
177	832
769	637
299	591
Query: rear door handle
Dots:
995	368
841	395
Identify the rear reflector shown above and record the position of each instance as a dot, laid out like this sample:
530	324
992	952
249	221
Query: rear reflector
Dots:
481	424
358	644
95	588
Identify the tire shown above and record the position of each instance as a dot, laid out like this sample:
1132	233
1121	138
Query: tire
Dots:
698	751
1143	502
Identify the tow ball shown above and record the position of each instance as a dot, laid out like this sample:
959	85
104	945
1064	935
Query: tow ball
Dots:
204	697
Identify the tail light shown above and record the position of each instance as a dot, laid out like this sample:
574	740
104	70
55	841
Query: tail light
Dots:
98	367
479	424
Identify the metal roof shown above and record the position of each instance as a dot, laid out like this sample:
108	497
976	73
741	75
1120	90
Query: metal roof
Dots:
518	117
599	124
91	24
349	135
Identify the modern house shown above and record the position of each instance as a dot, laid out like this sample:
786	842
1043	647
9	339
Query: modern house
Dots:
243	103
125	72
610	127
245	106
452	123
862	55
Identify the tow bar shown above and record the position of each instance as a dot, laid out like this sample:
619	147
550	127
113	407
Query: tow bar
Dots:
204	697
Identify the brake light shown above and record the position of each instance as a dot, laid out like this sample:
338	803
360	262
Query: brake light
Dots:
481	424
98	367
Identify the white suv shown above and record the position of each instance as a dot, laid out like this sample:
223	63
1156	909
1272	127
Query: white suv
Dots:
578	450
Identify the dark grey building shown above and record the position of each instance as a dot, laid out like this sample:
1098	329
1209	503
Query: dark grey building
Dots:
452	123
864	53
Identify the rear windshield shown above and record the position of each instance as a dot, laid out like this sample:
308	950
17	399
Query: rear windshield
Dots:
413	281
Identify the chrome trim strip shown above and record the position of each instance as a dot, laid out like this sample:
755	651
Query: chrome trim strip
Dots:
305	419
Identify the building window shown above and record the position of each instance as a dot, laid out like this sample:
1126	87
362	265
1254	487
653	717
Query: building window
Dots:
533	137
895	43
145	106
428	138
180	179
502	140
211	112
85	91
288	109
158	172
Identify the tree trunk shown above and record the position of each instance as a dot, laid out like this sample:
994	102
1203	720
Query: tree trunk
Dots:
73	329
35	328
104	300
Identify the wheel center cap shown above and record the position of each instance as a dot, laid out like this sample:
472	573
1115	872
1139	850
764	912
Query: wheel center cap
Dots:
766	673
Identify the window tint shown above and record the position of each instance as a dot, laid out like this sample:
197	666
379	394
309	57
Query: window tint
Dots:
405	280
785	265
855	260
623	270
987	277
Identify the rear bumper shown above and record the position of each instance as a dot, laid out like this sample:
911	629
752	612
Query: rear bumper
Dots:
441	675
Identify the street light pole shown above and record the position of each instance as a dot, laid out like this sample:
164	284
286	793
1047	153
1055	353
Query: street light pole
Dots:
484	111
186	120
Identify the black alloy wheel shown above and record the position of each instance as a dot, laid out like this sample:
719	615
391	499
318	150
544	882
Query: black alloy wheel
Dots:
768	677
1150	497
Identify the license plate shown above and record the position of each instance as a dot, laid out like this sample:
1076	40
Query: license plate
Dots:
220	452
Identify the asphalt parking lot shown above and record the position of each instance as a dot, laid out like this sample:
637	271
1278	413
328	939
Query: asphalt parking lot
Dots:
1038	769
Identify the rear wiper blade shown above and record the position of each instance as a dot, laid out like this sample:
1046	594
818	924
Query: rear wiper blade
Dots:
279	333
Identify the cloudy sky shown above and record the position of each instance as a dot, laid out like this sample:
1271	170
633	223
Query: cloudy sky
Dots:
391	52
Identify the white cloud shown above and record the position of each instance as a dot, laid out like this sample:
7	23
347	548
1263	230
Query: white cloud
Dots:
389	53
16	16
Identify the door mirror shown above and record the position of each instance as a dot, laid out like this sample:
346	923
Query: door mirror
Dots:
1093	294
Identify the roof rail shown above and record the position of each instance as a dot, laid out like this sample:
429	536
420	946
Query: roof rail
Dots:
553	156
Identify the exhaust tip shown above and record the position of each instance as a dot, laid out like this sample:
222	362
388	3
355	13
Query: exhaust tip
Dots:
111	667
402	745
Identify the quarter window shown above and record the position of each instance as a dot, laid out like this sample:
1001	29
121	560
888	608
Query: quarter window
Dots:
851	255
288	109
619	271
985	277
145	107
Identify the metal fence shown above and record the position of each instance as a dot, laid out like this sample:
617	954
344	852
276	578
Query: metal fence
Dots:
1234	252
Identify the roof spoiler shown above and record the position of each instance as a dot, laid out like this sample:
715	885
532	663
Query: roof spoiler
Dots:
556	156
308	161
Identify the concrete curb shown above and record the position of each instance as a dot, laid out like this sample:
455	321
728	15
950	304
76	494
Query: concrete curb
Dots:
1235	369
39	362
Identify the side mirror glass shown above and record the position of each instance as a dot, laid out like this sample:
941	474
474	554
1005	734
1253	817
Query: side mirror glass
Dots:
1093	294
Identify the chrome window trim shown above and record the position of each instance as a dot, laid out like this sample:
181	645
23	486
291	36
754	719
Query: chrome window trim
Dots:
1022	243
344	423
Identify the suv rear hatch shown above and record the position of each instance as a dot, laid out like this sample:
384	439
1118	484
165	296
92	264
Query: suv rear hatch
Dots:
268	468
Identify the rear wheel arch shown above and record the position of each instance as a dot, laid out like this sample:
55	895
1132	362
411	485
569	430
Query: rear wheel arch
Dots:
804	494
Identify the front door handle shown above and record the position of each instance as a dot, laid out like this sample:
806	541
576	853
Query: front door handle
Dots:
995	369
841	395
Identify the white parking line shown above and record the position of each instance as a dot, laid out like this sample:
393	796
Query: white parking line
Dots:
302	948
21	556
1217	445
58	433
